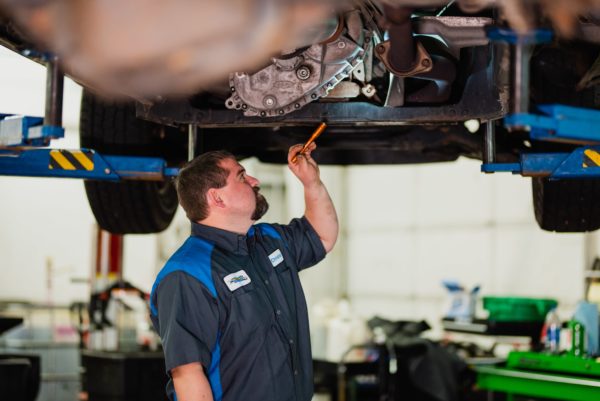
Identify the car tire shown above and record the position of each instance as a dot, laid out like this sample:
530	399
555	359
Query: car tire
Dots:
566	205
130	207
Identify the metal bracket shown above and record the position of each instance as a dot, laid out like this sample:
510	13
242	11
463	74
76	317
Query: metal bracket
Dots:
422	63
583	162
82	163
27	131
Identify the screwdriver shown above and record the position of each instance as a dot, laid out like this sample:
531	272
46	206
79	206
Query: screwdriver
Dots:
312	138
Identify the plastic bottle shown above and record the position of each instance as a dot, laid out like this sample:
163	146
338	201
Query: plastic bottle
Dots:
552	327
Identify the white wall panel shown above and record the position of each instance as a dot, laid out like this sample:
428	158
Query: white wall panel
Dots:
381	197
531	262
461	254
44	219
452	194
381	263
511	199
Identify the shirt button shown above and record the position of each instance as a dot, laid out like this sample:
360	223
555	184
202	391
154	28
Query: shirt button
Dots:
267	282
278	311
296	372
291	341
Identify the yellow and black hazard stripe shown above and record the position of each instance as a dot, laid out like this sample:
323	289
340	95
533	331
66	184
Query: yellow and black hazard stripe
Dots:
61	159
591	158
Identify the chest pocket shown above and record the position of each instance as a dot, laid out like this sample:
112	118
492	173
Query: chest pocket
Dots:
280	258
249	311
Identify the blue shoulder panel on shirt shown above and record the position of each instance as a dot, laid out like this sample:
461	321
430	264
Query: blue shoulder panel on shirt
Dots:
265	229
193	258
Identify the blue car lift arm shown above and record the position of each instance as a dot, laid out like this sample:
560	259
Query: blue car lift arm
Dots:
583	162
82	163
18	134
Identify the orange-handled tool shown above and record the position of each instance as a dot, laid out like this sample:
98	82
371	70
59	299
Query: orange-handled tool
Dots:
312	138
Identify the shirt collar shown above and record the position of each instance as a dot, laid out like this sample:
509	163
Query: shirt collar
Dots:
227	240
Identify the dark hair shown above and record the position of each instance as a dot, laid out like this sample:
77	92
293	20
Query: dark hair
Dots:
195	179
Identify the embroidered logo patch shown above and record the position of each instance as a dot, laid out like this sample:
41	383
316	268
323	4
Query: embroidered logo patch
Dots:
236	280
276	258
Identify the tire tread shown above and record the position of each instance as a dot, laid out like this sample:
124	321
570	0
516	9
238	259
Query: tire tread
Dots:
138	207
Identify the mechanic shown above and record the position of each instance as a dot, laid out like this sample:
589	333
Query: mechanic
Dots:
229	305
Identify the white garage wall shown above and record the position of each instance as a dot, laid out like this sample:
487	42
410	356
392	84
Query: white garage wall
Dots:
404	229
412	226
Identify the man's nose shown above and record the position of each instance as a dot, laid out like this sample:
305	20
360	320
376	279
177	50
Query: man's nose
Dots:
252	181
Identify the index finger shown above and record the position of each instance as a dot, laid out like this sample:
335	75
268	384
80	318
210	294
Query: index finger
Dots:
294	151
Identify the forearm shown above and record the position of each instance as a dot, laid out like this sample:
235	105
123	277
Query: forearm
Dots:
191	383
321	214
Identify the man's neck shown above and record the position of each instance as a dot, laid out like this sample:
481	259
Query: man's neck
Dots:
238	226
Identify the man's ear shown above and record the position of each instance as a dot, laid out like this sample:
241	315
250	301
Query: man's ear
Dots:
214	198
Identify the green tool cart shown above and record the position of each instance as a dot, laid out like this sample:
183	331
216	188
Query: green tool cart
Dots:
557	377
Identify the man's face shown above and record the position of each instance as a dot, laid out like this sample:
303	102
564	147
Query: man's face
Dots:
242	191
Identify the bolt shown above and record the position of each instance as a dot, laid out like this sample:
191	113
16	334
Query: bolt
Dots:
380	49
106	171
313	96
426	63
262	114
280	111
303	72
244	106
269	101
297	105
232	88
341	44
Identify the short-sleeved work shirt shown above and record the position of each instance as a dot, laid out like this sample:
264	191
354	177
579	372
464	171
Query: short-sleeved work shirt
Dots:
235	304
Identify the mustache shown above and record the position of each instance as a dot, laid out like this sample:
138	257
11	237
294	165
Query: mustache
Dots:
257	193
